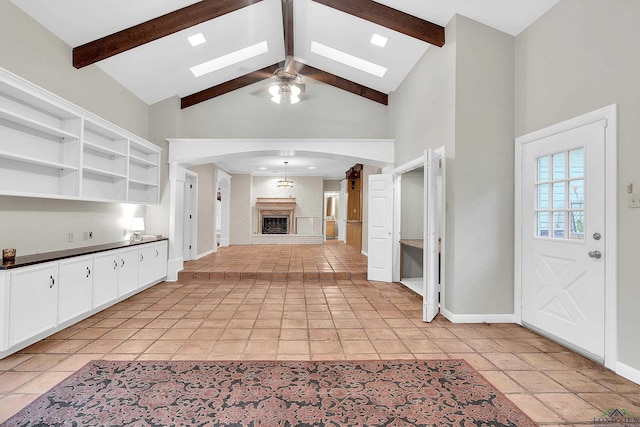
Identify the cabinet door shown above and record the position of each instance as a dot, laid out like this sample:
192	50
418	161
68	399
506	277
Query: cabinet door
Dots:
105	278
33	303
128	271
76	287
160	265
146	264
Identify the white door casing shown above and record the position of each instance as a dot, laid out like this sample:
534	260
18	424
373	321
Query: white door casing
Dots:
565	245
380	227
431	252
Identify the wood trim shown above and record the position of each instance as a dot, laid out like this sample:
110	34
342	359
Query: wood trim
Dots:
227	87
154	29
390	18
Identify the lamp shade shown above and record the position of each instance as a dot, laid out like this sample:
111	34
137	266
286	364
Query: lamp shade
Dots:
137	224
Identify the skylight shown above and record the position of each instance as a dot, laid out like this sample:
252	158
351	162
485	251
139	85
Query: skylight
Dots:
196	39
379	40
230	59
347	59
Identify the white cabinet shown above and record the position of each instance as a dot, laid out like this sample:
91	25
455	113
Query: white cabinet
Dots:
76	287
33	301
161	252
146	264
52	148
40	299
105	277
128	272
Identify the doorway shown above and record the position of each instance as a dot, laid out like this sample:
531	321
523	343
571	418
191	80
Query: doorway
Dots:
418	258
331	214
563	229
223	208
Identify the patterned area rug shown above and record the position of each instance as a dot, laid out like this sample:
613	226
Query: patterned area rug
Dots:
371	393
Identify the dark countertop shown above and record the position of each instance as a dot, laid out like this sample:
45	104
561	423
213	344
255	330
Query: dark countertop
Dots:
25	260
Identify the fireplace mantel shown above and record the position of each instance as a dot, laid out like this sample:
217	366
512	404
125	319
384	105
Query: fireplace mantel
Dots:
274	206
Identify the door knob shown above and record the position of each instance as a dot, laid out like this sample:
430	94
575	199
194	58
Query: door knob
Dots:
595	254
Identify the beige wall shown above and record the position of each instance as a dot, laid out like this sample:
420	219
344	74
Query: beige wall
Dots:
330	113
580	56
206	200
41	225
461	97
35	54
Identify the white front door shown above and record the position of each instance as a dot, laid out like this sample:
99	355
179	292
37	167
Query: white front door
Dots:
431	227
563	237
380	227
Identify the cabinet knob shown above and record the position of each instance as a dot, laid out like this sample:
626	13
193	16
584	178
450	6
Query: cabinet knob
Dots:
52	282
157	253
122	261
88	272
115	264
141	257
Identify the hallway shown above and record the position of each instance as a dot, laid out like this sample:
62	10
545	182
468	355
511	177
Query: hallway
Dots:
244	319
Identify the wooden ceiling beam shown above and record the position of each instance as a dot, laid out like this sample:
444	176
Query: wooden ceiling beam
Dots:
154	29
390	18
267	72
344	84
287	26
227	87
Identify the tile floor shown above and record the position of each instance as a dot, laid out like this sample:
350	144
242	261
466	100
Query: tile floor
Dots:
197	318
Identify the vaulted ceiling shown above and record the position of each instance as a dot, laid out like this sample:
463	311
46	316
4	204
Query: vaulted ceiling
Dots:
143	45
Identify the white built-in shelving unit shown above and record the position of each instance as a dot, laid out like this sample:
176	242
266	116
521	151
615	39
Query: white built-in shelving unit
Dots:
52	148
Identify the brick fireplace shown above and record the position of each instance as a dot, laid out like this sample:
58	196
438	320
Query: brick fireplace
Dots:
275	215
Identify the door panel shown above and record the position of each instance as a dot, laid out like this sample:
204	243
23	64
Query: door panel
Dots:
431	252
563	236
380	227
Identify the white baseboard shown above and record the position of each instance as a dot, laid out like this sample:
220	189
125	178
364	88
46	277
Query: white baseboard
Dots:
365	253
477	318
632	374
204	254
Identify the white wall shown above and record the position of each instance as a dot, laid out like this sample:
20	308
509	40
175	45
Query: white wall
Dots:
240	210
580	56
41	225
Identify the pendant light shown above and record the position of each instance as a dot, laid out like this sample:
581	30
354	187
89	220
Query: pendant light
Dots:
285	183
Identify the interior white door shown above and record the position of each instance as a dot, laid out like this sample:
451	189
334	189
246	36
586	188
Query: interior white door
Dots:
563	240
342	209
188	226
431	252
380	227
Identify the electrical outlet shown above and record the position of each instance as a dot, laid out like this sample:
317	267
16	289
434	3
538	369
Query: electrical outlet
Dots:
86	235
91	234
634	200
71	237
